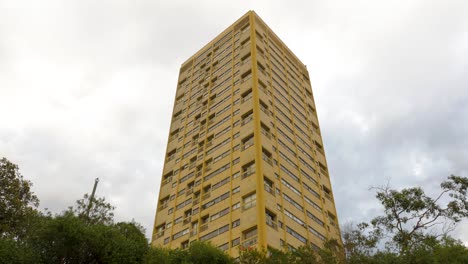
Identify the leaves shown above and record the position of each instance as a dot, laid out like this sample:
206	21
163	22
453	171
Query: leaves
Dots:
410	212
100	212
17	202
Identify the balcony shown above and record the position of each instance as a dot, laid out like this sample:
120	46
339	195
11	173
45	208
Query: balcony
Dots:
266	133
263	76
247	144
163	206
166	181
206	196
323	171
250	242
249	205
247	173
160	234
267	159
246	120
244	53
203	227
269	189
272	224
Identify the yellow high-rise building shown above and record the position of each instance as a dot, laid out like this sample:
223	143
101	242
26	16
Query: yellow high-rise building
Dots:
245	163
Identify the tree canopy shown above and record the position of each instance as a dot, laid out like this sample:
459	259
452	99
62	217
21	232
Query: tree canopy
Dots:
17	202
414	228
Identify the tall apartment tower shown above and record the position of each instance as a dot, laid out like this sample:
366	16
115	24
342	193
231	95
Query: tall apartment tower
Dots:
245	163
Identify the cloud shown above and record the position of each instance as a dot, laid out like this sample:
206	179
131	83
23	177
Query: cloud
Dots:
87	90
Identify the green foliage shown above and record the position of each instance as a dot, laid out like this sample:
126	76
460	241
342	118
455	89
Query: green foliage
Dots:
409	227
100	212
158	255
251	255
410	213
17	202
13	252
69	239
196	253
202	253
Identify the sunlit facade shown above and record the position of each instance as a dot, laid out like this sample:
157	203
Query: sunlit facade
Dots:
245	163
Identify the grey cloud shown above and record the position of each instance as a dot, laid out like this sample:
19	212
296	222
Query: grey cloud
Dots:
87	90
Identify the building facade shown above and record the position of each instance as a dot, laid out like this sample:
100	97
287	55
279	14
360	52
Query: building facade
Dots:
245	163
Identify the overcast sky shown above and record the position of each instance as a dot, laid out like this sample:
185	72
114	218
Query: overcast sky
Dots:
87	87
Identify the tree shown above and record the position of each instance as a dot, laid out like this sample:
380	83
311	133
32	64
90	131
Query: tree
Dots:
13	252
202	253
410	214
67	238
251	255
196	253
17	202
100	211
158	255
359	242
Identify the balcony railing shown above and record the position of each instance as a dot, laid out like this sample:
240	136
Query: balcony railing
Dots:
160	234
267	159
247	173
167	180
203	227
249	242
269	189
249	205
246	120
323	171
266	133
247	144
272	223
206	196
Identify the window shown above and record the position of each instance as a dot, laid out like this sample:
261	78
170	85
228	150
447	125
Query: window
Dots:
248	169
291	201
268	185
247	117
219	214
180	234
215	233
235	242
246	96
247	142
216	200
266	156
270	219
296	234
293	217
249	201
236	223
184	244
249	237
